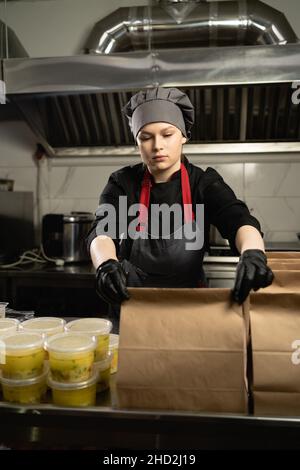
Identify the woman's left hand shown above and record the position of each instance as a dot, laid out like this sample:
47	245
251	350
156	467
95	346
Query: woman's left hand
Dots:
252	272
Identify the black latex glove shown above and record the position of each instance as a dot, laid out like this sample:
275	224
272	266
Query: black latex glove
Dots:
252	272
111	282
135	276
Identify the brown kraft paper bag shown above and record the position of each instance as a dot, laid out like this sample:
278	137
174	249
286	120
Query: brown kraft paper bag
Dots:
275	336
182	349
286	255
284	281
284	265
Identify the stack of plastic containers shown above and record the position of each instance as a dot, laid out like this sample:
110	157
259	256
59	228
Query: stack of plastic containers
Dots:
23	371
100	328
75	359
72	376
24	367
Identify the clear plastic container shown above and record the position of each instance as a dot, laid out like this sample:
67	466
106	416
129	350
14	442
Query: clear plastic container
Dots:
25	391
71	356
24	355
103	370
74	394
47	325
114	349
99	327
3	306
8	326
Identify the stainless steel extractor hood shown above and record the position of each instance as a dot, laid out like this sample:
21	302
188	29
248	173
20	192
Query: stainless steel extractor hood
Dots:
10	45
235	59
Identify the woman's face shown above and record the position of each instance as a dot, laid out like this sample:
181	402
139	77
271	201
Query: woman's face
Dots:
160	146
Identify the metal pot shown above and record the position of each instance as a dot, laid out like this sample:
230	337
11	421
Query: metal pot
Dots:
76	227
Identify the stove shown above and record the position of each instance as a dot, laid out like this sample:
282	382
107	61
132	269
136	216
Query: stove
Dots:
219	265
220	262
220	251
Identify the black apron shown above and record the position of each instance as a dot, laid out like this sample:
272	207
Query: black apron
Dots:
166	262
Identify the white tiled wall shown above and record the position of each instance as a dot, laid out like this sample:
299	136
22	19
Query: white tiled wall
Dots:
271	190
272	193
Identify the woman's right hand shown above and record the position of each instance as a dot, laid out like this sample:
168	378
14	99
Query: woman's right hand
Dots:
111	282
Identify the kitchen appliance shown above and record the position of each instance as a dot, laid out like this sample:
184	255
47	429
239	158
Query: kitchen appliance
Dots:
16	222
63	236
6	184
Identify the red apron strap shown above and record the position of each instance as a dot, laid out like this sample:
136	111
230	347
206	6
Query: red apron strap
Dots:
144	201
186	195
145	198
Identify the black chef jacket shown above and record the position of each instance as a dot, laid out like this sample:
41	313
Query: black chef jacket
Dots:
221	206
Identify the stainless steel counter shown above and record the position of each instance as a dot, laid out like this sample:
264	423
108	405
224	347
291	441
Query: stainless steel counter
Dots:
104	426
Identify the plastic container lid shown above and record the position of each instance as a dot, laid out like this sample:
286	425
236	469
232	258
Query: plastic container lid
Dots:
70	343
96	326
3	306
48	325
75	385
25	382
8	325
21	340
113	341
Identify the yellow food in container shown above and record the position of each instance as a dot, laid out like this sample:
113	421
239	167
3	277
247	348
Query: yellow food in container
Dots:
99	327
75	394
48	326
25	391
24	355
71	356
114	349
8	326
103	370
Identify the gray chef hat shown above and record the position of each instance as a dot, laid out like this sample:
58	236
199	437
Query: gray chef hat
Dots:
160	105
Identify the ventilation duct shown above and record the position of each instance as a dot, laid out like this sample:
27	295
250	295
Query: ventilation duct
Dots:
190	24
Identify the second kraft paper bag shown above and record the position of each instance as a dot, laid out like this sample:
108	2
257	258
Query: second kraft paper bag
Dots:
284	281
182	349
275	335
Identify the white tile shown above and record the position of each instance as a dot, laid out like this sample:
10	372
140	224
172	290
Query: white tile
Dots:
44	186
276	214
290	182
265	179
17	144
64	205
232	173
76	182
45	206
271	236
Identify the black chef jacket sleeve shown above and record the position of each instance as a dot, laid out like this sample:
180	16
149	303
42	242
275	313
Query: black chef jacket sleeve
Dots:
223	209
110	195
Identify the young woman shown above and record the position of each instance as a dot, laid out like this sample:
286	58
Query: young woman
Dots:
145	251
